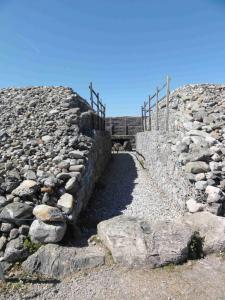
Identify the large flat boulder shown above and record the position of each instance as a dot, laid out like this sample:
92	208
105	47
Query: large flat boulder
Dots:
134	242
57	261
211	229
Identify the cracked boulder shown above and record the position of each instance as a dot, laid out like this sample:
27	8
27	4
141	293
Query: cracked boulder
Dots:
57	261
134	242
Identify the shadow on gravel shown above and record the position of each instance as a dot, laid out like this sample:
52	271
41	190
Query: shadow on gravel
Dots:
112	194
32	280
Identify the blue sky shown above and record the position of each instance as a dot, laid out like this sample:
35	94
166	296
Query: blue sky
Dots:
126	47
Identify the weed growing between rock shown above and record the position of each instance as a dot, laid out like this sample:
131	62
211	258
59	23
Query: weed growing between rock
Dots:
30	246
195	248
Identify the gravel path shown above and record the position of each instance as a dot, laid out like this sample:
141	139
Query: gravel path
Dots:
130	190
202	280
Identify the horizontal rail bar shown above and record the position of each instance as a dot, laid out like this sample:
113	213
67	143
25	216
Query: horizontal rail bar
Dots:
152	97
160	89
162	98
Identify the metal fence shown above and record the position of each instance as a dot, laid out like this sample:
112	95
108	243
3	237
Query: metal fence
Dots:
162	93
98	107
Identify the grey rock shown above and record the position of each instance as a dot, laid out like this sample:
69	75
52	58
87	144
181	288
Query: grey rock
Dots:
3	241
214	194
210	227
48	213
76	154
15	250
14	233
47	139
215	208
182	147
196	167
66	203
200	177
6	227
133	242
57	262
47	233
26	188
24	229
72	185
51	182
16	212
77	168
30	175
215	166
3	201
216	157
201	185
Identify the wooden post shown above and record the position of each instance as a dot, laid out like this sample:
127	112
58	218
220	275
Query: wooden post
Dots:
142	119
125	125
104	117
149	113
167	102
111	126
101	121
91	94
98	111
157	109
145	115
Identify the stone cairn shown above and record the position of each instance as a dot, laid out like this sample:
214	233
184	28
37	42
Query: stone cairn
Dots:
199	143
43	159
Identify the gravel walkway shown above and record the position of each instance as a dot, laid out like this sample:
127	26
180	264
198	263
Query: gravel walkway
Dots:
202	280
129	189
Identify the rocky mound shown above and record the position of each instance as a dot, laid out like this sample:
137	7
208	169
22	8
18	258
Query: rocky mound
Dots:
199	121
50	158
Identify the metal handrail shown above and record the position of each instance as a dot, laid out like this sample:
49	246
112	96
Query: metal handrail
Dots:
98	107
148	106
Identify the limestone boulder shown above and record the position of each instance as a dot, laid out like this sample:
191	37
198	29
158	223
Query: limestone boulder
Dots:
134	242
47	233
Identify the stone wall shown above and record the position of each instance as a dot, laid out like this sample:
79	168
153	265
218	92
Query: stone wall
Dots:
163	166
51	155
188	161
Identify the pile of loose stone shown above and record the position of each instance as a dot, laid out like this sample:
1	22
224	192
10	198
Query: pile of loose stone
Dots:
43	156
198	120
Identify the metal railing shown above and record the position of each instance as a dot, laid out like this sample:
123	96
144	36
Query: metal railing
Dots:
98	107
153	103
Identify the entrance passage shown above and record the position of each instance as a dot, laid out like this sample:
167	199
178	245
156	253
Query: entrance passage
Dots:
126	188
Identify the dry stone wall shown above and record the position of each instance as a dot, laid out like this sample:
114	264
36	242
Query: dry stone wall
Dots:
51	155
188	162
